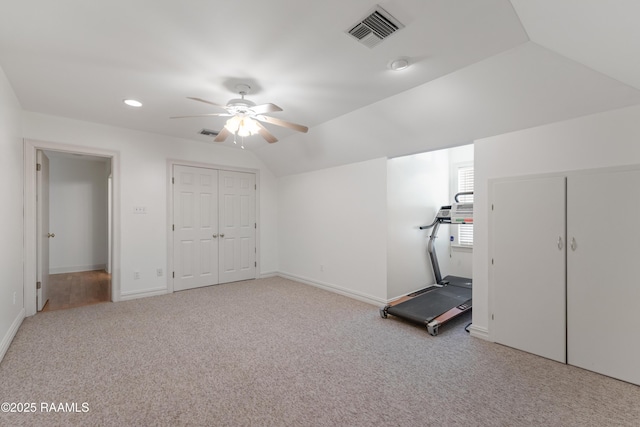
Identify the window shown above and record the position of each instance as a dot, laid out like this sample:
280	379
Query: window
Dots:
465	183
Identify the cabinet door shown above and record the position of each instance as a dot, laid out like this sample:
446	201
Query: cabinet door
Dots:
603	285
528	284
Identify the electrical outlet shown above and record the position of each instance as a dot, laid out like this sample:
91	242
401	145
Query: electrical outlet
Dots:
159	272
136	275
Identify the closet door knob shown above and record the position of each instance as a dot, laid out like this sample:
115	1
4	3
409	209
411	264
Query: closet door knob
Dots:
215	235
560	244
221	234
574	245
50	235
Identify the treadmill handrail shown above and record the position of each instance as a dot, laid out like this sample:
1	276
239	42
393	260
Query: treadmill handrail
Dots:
426	227
462	193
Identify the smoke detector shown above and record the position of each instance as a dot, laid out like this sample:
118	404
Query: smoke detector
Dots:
375	27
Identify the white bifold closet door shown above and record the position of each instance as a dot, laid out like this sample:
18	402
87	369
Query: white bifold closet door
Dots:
528	265
237	195
195	217
214	226
603	283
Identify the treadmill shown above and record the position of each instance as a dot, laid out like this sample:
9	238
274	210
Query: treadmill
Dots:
450	297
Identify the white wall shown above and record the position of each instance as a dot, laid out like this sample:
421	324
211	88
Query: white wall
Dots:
461	258
333	228
78	195
417	186
11	281
143	182
599	140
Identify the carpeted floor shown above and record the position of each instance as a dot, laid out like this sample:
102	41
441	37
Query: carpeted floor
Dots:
273	352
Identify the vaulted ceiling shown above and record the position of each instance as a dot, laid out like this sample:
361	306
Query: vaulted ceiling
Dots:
478	68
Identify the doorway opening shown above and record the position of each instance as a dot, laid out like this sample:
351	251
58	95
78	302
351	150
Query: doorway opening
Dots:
71	245
78	232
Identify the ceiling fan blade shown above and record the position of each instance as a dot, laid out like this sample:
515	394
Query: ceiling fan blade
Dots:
266	108
202	115
266	134
207	102
283	123
224	133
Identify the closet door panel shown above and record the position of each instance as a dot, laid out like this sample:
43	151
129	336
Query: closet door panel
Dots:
603	284
195	215
528	270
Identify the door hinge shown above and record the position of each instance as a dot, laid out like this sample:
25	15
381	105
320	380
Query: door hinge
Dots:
492	317
38	167
173	180
255	264
255	186
173	275
491	261
255	225
491	206
173	227
38	285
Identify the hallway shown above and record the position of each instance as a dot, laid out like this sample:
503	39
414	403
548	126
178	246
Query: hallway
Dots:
70	290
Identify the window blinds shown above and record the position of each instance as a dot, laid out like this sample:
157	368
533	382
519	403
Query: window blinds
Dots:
465	183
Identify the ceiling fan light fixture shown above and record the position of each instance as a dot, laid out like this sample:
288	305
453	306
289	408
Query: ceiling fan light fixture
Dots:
245	118
232	124
242	126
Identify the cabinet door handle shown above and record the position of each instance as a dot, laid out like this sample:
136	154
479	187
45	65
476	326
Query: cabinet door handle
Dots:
574	245
560	244
221	234
215	235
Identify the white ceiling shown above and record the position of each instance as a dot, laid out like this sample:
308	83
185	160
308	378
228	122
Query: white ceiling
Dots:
479	68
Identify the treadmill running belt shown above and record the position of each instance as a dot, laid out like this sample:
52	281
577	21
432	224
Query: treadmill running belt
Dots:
423	308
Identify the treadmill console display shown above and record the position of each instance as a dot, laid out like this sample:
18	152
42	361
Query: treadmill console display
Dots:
462	213
458	213
444	212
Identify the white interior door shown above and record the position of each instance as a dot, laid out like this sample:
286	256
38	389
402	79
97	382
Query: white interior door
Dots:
528	271
43	232
237	226
195	213
602	282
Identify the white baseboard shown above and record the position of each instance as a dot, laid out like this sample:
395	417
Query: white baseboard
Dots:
76	268
11	333
336	289
479	332
267	274
126	296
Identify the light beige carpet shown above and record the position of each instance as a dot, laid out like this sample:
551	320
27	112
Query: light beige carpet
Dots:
273	352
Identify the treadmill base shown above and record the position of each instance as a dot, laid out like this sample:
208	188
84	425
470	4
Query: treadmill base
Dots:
435	306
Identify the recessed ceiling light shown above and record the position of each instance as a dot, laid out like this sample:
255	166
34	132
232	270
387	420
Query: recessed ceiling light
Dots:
132	103
398	64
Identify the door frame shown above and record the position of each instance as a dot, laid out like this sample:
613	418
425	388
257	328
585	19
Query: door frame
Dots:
177	162
30	215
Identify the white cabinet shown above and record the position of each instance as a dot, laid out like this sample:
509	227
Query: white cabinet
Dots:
528	235
564	280
603	284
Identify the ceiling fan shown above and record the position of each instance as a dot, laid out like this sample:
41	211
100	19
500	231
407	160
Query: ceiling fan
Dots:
246	117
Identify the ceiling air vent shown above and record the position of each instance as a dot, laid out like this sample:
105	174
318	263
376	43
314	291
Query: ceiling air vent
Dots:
375	27
209	132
